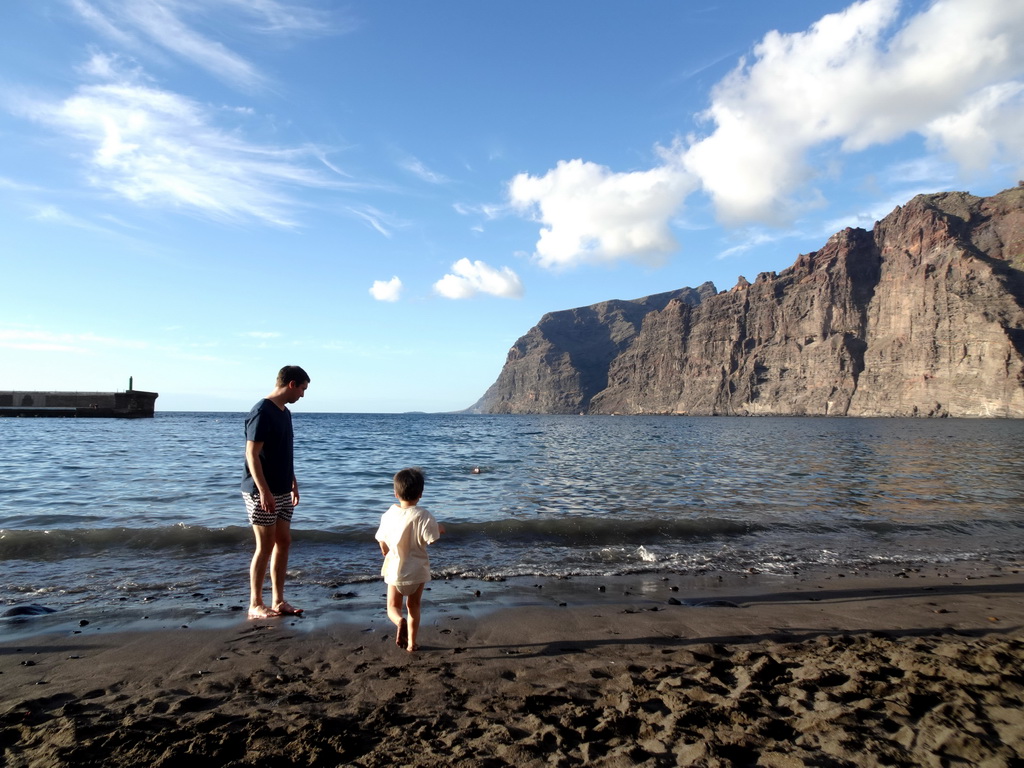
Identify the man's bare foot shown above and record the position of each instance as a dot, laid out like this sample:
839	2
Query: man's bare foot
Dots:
262	612
285	609
403	634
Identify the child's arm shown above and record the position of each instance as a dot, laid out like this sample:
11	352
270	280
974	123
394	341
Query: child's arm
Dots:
383	548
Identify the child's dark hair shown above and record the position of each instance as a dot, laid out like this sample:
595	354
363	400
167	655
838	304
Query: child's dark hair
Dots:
409	484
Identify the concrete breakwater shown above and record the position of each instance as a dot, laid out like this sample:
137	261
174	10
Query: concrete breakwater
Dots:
131	404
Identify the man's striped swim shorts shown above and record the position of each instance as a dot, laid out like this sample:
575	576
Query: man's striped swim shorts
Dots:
258	516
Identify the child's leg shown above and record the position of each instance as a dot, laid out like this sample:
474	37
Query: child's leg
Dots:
414	616
395	605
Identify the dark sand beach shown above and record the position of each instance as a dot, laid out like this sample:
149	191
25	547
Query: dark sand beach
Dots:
902	668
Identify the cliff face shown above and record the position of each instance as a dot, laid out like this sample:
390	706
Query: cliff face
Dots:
563	361
922	316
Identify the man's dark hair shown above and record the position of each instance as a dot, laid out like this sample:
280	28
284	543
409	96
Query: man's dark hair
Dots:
291	373
409	484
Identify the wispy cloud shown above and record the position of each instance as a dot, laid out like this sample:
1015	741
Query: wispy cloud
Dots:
488	210
421	171
291	18
172	28
49	341
17	186
52	214
93	346
324	159
100	22
753	238
380	221
706	65
162	25
156	147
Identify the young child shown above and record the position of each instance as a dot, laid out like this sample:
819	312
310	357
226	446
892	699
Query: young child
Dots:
404	533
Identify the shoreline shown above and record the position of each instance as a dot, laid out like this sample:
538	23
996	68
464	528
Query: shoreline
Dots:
362	601
911	667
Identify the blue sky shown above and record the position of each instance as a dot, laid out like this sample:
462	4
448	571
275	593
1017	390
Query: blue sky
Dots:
196	192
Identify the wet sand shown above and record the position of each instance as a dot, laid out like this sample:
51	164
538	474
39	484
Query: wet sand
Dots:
904	668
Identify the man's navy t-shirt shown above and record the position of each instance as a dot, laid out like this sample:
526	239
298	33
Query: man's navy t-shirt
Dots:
272	426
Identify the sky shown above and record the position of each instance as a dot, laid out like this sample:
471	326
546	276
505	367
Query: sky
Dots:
194	193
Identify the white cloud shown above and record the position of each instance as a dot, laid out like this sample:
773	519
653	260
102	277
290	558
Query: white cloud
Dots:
852	81
386	290
106	67
988	128
263	334
591	214
865	77
469	278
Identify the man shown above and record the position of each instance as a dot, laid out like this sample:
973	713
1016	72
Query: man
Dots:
270	490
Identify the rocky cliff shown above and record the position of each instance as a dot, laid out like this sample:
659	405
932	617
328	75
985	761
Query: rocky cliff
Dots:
563	361
922	316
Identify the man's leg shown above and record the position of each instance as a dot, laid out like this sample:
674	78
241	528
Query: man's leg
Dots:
279	566
258	571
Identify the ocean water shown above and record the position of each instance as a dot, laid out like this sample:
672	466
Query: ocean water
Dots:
101	513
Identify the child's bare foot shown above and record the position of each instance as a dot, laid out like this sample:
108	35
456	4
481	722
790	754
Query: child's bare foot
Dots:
286	609
262	612
403	634
412	648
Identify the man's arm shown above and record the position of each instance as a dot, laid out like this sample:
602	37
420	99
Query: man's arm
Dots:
252	458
